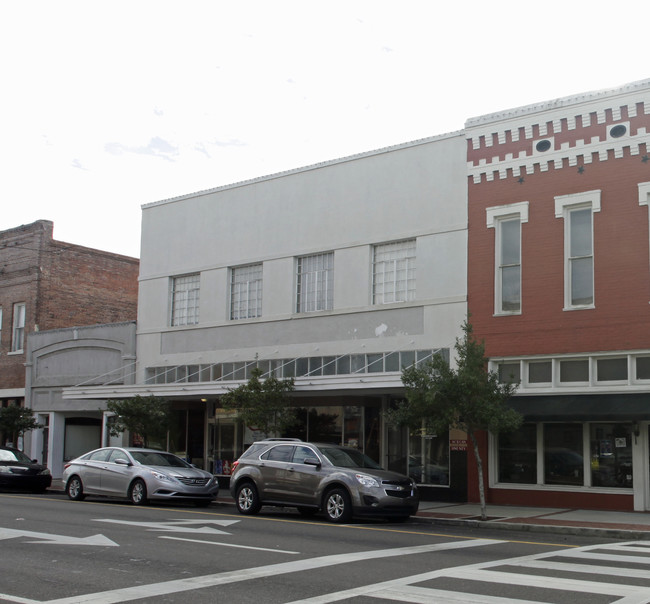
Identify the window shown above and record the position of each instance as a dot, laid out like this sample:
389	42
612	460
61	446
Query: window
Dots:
611	455
517	455
563	454
611	370
185	300
18	333
540	372
246	292
315	283
393	278
507	221
577	211
574	371
509	373
509	265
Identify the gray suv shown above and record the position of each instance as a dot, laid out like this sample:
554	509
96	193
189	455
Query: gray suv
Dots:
339	481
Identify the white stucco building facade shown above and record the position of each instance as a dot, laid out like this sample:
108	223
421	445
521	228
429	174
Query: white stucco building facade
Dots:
336	274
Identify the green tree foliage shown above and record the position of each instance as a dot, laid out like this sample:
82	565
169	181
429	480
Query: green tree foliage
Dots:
262	404
149	417
469	397
15	421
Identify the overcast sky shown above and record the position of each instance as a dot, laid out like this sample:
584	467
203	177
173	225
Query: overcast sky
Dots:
109	105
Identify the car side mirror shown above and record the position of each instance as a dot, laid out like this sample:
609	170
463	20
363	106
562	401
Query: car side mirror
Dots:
312	461
122	462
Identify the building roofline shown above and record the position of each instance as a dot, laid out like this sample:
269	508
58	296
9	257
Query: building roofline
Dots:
566	101
326	163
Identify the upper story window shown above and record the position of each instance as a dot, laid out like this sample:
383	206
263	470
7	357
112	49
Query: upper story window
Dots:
393	278
577	211
18	332
507	221
315	283
185	300
246	292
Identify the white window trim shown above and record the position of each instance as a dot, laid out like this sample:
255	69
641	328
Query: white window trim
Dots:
494	215
563	205
644	194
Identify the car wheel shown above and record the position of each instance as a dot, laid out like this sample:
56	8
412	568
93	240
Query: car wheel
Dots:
247	500
138	493
306	511
75	489
338	507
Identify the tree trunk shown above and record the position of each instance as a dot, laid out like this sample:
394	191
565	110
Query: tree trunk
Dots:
479	464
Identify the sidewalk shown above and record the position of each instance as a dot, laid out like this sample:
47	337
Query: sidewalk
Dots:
597	523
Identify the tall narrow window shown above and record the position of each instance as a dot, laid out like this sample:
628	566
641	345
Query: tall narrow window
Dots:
577	211
185	300
315	283
580	260
393	278
507	221
18	333
246	292
509	265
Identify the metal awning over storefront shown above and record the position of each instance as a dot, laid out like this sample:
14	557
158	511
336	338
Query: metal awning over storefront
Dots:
583	407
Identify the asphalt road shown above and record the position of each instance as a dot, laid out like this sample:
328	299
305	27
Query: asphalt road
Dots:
56	550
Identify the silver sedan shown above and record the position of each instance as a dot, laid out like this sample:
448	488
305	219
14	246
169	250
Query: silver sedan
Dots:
139	475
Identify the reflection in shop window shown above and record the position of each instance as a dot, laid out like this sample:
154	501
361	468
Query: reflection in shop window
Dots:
518	455
428	459
611	455
563	458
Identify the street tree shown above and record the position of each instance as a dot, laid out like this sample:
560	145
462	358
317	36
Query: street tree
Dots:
149	417
468	397
262	404
15	421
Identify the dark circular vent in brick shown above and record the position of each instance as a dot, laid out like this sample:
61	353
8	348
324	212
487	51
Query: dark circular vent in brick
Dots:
618	131
542	146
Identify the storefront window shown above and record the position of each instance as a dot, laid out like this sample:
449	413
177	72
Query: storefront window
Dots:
611	455
563	454
518	456
428	460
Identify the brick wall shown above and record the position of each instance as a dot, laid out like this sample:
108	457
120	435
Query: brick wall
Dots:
62	285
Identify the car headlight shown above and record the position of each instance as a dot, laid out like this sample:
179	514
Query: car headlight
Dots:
45	472
366	481
160	475
5	470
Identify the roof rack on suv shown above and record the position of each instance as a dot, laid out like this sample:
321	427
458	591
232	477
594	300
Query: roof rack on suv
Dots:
291	440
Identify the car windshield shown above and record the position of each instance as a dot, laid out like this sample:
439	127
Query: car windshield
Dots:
6	455
159	458
349	458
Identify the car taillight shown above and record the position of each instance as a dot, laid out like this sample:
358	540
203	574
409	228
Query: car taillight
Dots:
233	466
66	466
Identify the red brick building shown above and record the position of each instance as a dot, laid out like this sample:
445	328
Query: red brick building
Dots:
559	289
47	284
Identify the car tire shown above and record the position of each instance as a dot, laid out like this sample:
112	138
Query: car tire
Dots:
338	506
247	499
138	492
74	488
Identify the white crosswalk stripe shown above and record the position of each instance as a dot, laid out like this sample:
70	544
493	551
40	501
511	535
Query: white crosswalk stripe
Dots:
585	561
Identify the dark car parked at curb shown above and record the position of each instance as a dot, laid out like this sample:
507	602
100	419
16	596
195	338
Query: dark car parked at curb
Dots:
342	482
19	472
139	475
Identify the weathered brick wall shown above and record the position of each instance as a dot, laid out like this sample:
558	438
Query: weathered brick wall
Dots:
62	285
81	286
